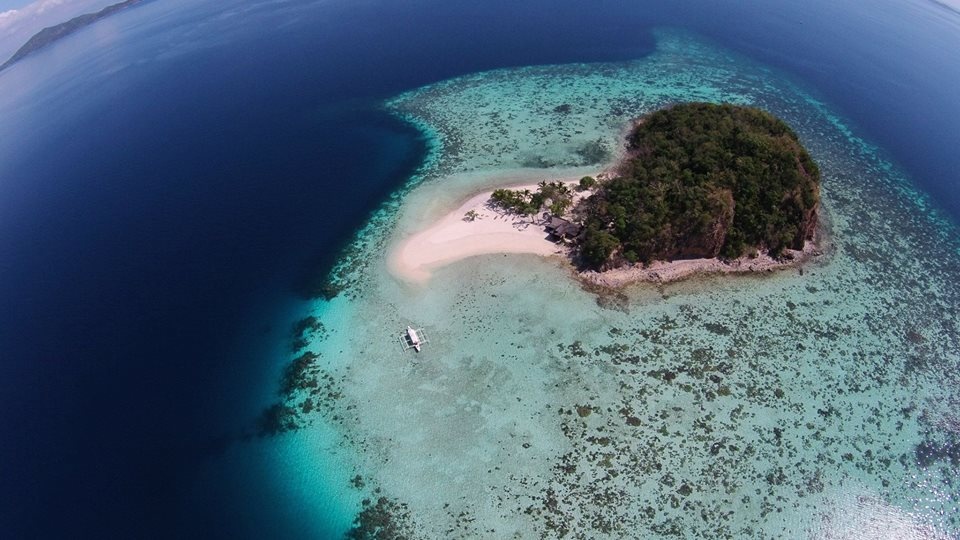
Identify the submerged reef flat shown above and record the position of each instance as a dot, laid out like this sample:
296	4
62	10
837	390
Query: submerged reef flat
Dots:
809	403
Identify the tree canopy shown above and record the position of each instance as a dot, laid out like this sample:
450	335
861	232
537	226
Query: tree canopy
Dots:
556	196
703	180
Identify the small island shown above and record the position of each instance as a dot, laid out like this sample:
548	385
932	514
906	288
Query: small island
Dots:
703	188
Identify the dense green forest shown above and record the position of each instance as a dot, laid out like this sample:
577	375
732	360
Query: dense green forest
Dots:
703	180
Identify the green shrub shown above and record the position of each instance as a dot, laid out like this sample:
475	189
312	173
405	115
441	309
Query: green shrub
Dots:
597	246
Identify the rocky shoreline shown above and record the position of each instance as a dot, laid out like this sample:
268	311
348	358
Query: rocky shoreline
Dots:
678	270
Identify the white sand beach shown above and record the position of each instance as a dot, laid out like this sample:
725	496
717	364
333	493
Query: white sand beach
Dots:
456	236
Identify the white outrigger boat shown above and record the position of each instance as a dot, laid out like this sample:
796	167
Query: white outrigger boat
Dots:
413	338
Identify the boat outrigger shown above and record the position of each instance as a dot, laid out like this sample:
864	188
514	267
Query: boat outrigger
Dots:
413	338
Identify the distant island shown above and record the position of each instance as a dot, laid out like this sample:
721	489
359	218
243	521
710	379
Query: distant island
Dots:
702	188
54	33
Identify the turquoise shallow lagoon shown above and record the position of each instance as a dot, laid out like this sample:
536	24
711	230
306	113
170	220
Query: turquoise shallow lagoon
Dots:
806	403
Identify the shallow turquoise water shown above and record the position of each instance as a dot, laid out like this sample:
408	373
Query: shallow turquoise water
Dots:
797	404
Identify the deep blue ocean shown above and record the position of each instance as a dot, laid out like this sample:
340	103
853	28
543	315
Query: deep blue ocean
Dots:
173	179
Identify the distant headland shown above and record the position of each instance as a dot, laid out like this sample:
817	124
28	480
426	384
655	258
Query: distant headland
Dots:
57	32
702	188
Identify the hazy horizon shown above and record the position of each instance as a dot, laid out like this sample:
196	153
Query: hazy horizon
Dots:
18	23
